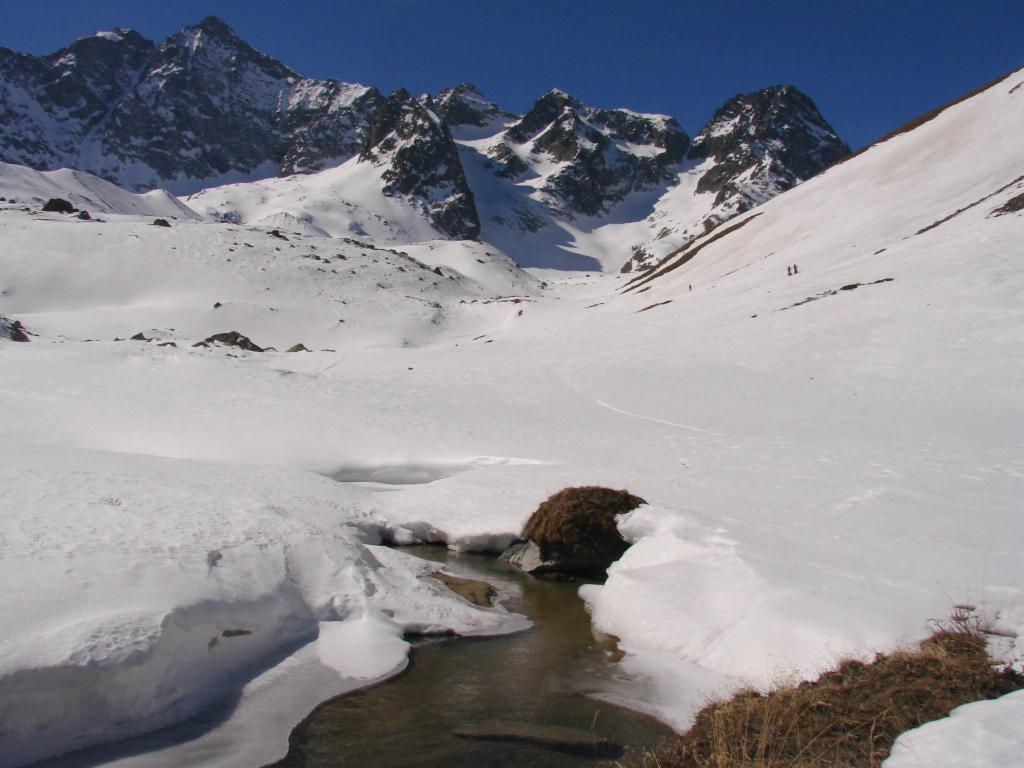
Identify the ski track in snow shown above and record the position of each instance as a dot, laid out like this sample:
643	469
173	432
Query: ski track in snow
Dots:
689	427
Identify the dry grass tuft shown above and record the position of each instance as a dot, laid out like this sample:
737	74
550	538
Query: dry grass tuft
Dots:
850	716
579	523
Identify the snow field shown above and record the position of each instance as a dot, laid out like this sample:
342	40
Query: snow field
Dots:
825	478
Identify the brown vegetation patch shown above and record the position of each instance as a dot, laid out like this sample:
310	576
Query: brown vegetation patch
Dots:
579	524
848	717
652	306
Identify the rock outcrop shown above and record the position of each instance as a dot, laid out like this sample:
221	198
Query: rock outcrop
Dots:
764	143
602	154
421	162
756	146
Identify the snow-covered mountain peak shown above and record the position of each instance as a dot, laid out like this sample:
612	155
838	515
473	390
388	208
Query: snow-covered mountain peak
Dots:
115	35
777	130
465	106
212	43
201	108
204	109
588	159
755	146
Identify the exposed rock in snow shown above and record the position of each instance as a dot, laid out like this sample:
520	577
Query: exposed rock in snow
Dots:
764	143
600	155
421	162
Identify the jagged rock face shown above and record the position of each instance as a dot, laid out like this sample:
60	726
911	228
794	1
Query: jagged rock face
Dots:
201	105
49	104
422	162
605	154
756	146
465	105
203	108
764	143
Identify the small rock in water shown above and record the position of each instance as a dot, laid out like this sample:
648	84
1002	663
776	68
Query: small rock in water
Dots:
475	591
525	555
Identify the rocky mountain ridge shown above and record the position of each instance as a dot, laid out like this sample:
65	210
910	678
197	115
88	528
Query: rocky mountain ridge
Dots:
755	146
204	108
199	107
603	154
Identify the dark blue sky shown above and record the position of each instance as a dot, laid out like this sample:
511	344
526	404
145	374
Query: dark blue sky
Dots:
869	65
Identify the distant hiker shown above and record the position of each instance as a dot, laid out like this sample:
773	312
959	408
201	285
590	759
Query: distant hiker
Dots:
789	271
795	270
691	287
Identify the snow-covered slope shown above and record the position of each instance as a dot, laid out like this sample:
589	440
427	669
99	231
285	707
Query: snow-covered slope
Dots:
185	573
826	477
876	395
23	186
407	185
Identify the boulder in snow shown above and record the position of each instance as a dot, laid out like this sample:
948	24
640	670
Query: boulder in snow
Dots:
230	339
58	205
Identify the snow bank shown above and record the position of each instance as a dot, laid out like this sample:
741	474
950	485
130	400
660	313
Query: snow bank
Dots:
148	588
985	734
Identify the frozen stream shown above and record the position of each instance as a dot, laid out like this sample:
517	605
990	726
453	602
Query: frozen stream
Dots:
537	677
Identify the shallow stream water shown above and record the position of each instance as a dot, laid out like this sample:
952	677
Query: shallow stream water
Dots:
537	677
